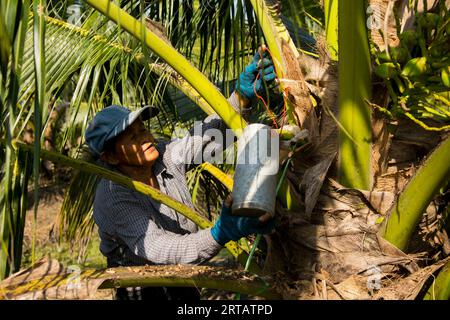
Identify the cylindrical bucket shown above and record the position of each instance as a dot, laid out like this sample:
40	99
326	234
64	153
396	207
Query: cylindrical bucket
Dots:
255	177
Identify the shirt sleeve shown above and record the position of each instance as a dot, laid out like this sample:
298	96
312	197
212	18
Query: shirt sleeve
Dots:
141	228
204	142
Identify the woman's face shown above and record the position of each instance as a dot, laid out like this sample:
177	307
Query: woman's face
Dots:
134	147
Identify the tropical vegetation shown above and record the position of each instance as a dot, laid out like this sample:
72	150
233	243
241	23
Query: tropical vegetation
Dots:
362	199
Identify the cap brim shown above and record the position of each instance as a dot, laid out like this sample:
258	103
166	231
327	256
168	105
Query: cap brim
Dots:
145	113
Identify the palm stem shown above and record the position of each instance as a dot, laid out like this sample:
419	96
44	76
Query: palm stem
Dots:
406	214
276	36
226	180
440	288
149	276
331	27
354	90
39	104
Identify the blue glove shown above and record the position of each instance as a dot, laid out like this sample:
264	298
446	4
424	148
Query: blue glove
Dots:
230	227
247	78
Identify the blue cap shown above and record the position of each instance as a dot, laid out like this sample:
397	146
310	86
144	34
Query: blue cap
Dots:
110	122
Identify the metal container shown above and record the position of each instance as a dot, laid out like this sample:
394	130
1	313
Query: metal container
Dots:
255	177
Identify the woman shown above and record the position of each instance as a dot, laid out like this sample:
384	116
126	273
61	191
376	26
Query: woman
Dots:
137	230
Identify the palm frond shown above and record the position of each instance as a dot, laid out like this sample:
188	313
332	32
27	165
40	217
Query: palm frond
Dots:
75	218
39	109
102	73
174	59
14	178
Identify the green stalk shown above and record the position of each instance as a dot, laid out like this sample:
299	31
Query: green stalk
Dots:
440	288
281	45
5	222
406	214
5	217
254	288
274	32
39	103
354	90
225	179
276	36
330	8
168	276
22	210
155	194
179	63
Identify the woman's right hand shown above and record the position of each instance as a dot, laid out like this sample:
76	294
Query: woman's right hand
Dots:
229	227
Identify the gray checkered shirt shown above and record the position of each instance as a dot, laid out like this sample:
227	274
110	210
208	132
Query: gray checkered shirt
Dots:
135	229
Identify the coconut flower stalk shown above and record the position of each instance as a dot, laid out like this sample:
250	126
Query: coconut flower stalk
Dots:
354	91
298	102
285	55
440	288
406	214
63	285
225	179
330	8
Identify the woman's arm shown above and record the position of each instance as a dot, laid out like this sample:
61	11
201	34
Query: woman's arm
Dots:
152	235
207	139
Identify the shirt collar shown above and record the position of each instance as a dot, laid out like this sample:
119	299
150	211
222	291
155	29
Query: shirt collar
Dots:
159	166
